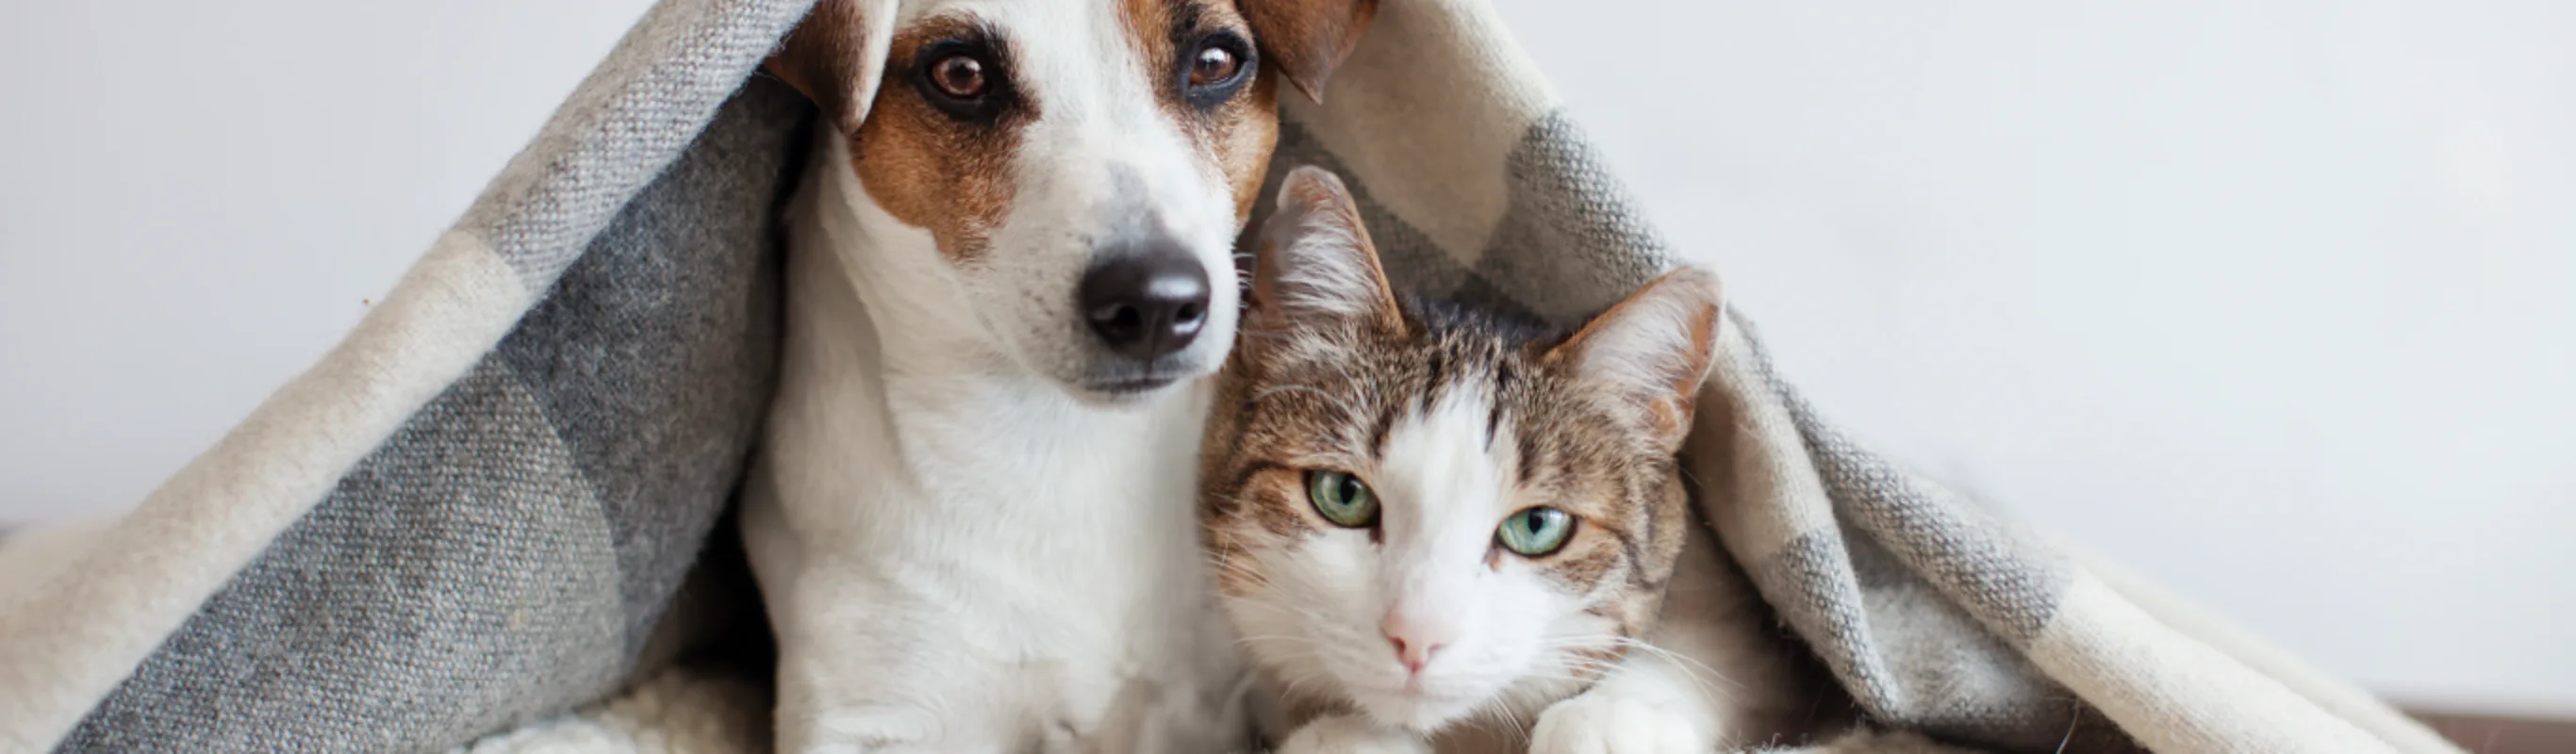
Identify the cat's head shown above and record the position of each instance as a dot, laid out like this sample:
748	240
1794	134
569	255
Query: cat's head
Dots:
1424	513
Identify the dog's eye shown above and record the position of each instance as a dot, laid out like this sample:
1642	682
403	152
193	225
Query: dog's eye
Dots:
1213	66
960	76
1219	64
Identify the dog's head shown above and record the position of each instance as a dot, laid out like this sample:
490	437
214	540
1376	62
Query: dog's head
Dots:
1080	167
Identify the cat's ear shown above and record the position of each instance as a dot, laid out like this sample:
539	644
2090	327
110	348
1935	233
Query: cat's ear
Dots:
1653	349
1313	265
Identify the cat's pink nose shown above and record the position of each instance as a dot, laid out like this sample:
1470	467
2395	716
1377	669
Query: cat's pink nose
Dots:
1414	642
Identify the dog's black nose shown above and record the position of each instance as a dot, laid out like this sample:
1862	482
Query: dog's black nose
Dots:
1148	304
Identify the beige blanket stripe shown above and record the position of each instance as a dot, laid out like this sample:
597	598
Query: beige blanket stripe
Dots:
1763	489
2177	695
2335	696
1427	112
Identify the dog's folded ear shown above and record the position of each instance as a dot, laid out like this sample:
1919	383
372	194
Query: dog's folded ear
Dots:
1305	40
836	56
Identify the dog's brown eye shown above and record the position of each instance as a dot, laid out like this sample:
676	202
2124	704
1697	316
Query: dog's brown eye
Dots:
1213	66
959	76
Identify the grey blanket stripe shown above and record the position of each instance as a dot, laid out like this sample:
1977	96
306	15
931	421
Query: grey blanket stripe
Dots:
627	121
508	551
1875	606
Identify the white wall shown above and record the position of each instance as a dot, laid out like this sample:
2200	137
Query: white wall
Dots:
198	198
2275	301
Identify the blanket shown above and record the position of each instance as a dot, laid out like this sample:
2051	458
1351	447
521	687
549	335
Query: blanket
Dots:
476	521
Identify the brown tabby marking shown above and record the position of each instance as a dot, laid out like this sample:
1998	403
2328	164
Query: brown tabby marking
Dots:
1307	397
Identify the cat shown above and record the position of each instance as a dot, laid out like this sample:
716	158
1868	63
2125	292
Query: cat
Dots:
1438	528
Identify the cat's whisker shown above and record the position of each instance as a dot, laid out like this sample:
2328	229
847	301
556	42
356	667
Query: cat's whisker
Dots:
1698	673
1499	707
1577	679
1272	638
1520	728
1310	614
1223	563
1295	685
1686	661
1571	673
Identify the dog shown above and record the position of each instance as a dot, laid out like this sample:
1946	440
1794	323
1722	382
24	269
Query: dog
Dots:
1009	270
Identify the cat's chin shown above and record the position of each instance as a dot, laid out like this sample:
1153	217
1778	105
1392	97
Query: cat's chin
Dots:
1420	713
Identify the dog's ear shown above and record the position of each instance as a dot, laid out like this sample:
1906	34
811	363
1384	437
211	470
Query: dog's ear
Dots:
1305	40
836	56
1652	350
1314	269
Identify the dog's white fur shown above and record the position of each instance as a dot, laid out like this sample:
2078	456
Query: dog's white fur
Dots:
1102	152
963	549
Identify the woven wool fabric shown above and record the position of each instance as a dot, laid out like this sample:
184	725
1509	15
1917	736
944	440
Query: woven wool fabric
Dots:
469	522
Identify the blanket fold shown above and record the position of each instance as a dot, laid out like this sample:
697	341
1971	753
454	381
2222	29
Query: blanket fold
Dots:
464	526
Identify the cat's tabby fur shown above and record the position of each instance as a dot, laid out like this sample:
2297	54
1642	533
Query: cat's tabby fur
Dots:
1456	418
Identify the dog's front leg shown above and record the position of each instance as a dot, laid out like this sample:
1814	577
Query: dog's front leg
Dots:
861	671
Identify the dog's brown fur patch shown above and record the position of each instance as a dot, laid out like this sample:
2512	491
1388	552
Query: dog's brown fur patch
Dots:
1243	148
828	59
932	170
1150	33
1307	39
1234	139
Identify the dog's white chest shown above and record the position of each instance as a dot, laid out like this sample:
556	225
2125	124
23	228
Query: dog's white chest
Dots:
1072	526
976	560
956	553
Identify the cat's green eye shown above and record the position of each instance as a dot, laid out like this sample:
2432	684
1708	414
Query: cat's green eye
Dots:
1341	498
1536	531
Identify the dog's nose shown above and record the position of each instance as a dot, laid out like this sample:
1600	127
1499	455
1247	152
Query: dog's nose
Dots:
1146	305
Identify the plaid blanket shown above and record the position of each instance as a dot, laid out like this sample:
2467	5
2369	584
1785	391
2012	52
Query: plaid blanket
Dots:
477	514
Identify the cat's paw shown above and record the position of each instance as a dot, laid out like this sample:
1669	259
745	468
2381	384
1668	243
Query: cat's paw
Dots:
1342	734
1603	724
